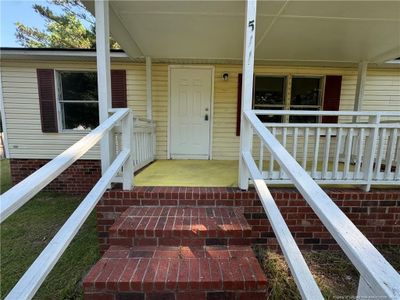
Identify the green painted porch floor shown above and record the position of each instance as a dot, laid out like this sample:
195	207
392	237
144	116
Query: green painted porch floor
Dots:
193	173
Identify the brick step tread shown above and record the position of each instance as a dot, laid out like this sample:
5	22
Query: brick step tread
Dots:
187	222
151	269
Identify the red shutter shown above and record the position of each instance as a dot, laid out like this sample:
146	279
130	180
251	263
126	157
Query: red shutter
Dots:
333	85
118	89
47	100
239	104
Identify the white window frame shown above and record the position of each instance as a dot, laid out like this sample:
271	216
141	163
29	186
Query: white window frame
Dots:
59	101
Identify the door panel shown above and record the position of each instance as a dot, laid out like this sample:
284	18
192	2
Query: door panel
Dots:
190	103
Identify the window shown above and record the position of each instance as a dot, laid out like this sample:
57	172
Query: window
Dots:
269	93
78	100
305	94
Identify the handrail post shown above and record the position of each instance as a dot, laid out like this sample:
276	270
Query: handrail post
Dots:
370	151
246	132
127	136
104	77
154	136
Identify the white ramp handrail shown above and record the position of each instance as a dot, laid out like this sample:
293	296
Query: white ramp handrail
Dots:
378	277
301	273
18	195
30	282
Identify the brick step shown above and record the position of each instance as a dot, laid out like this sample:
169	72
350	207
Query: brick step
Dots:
175	273
177	226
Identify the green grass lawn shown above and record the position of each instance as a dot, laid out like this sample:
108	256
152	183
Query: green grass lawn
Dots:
5	178
26	233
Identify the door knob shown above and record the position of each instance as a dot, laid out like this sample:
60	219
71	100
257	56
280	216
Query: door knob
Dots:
206	117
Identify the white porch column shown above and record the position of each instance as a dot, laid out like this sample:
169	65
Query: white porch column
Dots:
103	76
361	78
149	93
246	131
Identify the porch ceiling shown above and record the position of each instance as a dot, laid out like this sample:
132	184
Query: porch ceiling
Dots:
309	31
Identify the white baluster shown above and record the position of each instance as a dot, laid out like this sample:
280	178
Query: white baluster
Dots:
390	152
271	160
284	140
316	152
261	159
361	144
295	136
339	136
349	144
379	156
305	147
326	153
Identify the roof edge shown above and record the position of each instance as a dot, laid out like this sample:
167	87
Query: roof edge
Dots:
57	53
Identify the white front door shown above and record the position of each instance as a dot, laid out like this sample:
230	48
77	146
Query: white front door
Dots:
190	114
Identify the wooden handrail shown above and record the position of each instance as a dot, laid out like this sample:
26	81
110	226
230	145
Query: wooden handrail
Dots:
18	195
381	277
301	273
332	125
325	113
30	282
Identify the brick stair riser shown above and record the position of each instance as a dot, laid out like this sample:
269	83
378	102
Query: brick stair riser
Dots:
130	242
193	295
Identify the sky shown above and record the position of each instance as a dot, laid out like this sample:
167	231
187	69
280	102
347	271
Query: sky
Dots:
12	11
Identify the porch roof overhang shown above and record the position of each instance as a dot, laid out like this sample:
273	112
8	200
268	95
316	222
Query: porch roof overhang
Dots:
57	54
304	32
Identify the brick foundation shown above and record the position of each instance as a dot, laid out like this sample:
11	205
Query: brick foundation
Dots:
77	179
375	213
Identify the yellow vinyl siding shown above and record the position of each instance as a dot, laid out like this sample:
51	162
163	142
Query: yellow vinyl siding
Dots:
160	108
382	92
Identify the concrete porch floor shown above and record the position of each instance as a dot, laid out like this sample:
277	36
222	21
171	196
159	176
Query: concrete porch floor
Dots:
206	173
191	173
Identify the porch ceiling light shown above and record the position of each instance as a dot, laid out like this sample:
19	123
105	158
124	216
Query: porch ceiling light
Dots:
225	76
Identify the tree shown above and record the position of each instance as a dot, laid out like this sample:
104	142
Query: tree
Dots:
64	30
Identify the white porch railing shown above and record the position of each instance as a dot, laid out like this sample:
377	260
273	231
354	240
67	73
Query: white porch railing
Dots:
144	142
17	196
377	277
342	153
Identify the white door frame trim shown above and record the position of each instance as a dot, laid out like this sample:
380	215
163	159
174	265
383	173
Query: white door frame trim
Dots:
209	67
